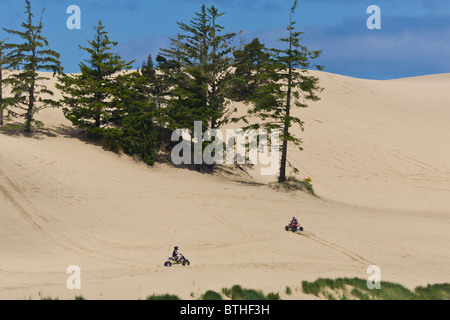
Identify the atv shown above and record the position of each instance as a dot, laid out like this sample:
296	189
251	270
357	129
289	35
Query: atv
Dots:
171	261
294	228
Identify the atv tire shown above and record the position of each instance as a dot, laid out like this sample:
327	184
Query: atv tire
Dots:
186	263
167	264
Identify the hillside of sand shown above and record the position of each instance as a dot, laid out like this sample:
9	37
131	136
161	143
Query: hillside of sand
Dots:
378	156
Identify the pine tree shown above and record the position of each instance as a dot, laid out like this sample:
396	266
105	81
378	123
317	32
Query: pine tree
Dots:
137	132
156	84
201	63
155	89
252	64
92	100
300	85
3	66
279	83
111	102
30	57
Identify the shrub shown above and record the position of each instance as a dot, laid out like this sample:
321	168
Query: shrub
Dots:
273	296
388	291
212	295
294	184
434	292
238	293
288	291
163	297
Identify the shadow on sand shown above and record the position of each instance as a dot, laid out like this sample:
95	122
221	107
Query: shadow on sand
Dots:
234	173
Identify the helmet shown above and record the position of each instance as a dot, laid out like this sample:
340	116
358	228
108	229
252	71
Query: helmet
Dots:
293	218
176	247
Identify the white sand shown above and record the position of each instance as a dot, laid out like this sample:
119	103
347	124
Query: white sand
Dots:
377	152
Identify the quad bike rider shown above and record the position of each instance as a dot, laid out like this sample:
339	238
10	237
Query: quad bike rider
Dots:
294	225
175	254
177	259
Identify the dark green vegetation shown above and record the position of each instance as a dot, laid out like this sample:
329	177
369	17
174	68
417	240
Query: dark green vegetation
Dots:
163	297
3	68
236	292
197	78
30	55
288	290
354	288
278	81
294	184
330	289
338	289
211	295
109	102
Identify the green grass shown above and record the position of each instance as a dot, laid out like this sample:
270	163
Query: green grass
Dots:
12	127
49	298
236	292
211	295
294	184
331	289
434	292
288	291
163	297
273	296
361	295
354	288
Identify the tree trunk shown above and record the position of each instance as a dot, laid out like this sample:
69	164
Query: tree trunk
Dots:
282	176
1	87
29	114
98	110
284	149
30	111
97	121
1	95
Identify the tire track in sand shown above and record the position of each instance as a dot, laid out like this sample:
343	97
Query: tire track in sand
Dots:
23	212
28	211
355	257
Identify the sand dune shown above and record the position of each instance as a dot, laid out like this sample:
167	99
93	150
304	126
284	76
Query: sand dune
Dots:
376	152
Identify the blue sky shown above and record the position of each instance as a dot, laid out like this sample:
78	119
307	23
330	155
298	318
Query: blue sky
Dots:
414	38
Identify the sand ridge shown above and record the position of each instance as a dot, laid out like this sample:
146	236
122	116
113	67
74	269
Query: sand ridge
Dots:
376	153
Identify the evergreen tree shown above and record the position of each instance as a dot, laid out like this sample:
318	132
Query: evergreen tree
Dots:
200	63
137	131
3	66
111	102
141	135
277	83
155	89
92	100
300	85
252	64
30	57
